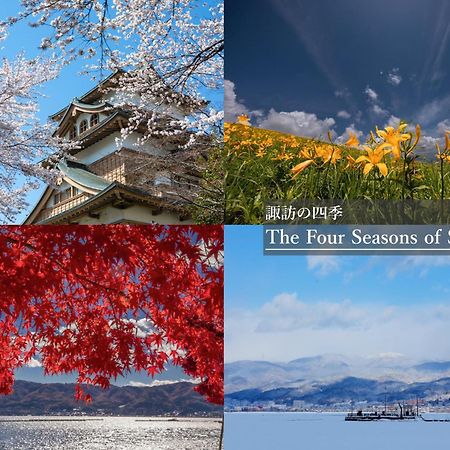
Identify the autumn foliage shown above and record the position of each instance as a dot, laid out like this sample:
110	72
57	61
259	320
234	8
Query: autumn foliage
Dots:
103	301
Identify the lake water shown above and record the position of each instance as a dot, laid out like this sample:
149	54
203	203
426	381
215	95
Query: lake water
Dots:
325	431
111	433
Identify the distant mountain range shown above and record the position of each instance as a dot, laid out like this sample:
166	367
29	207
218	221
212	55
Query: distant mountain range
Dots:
177	399
349	390
332	379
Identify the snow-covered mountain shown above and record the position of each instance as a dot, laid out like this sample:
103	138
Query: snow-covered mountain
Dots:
330	368
348	391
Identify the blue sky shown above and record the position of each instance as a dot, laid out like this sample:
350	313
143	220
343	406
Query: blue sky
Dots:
55	94
283	307
59	92
36	375
305	67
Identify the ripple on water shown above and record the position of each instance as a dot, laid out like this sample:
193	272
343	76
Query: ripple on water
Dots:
112	433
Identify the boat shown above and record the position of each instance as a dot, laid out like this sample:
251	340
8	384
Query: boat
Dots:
405	412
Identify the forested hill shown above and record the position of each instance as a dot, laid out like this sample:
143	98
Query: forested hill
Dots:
178	399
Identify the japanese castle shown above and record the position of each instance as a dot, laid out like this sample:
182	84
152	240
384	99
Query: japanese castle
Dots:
101	183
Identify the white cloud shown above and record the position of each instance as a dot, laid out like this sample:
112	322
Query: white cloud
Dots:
297	122
428	144
350	129
232	107
323	264
155	383
413	263
342	93
377	109
34	363
443	127
394	77
393	121
286	328
143	327
358	116
376	105
371	94
287	313
433	111
344	114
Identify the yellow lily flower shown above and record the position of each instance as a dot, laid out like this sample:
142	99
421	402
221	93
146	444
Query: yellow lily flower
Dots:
283	156
418	134
374	158
394	137
291	141
351	162
328	153
308	153
299	168
352	141
243	120
439	155
445	154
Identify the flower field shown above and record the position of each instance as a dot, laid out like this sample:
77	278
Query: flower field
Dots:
266	165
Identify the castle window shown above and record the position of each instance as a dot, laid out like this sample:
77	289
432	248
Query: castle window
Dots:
64	195
57	198
94	120
73	132
83	126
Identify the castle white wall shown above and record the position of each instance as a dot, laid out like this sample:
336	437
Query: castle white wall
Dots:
108	145
133	214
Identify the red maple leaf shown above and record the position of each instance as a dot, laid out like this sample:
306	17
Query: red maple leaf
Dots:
103	301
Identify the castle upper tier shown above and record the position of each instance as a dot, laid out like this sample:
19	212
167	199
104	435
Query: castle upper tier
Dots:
102	183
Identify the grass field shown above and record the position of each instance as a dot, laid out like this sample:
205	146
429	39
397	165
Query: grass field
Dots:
266	165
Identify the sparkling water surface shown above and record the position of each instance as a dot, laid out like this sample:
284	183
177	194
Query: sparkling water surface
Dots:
325	431
110	433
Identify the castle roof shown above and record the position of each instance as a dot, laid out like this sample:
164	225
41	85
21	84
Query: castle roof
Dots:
95	94
187	103
102	193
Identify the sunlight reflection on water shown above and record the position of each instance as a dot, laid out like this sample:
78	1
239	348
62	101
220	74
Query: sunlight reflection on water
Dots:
112	433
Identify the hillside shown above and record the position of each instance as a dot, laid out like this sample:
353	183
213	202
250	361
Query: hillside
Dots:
349	390
263	165
265	375
178	399
327	380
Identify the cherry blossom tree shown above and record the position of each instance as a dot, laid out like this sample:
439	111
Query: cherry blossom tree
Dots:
172	51
172	48
103	301
23	140
168	43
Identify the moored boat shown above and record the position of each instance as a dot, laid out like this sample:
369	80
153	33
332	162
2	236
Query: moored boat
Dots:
405	412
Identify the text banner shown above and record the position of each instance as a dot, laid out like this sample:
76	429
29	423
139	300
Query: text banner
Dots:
356	239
